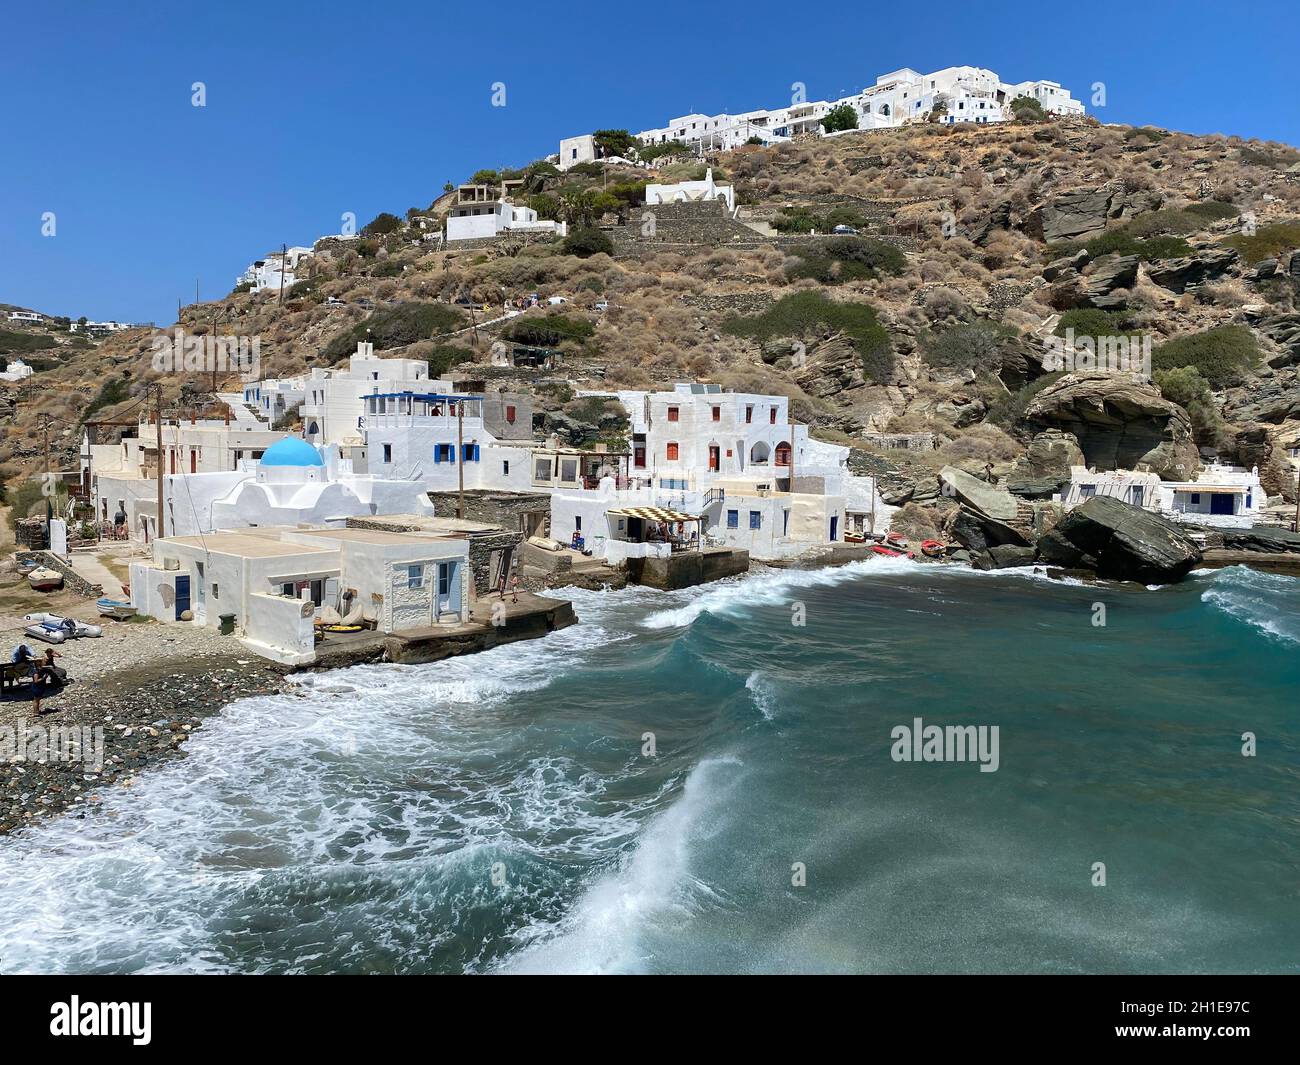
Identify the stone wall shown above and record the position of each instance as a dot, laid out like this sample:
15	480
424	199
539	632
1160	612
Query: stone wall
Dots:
503	509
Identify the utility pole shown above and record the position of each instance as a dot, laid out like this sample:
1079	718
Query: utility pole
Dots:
158	527
49	477
460	457
1296	526
284	263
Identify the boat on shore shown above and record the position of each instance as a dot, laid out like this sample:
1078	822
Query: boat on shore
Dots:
45	580
118	609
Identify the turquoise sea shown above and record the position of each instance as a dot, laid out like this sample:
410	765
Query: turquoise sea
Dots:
504	812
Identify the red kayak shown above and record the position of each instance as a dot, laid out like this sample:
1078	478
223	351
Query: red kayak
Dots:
889	552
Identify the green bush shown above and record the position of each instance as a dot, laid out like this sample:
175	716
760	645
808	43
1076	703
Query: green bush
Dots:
396	327
973	345
10	341
1219	354
1008	410
1089	322
547	332
809	314
648	153
112	392
381	224
443	357
1027	109
840	118
1268	242
840	259
387	268
1186	387
587	241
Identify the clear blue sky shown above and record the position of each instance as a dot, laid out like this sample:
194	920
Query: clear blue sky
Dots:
321	108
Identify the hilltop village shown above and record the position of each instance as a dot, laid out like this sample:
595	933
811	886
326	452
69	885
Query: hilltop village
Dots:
916	322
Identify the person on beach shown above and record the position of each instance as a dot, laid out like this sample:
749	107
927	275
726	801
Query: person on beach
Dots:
48	673
501	587
514	587
22	653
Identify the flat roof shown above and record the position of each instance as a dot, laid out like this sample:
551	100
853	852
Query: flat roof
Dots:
245	545
369	536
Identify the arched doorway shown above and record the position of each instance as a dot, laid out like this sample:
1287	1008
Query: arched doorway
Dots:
783	454
759	454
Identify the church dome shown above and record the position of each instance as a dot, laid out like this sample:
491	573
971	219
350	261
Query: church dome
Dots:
291	452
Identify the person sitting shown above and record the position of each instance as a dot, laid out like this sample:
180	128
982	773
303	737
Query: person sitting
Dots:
22	655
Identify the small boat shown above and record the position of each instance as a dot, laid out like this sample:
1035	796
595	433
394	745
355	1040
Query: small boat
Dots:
43	630
45	580
119	609
890	552
70	626
931	548
897	541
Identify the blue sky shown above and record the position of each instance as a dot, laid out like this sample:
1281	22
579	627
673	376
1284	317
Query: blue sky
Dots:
317	109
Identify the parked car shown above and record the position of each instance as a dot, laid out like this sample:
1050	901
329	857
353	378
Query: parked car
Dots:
334	301
845	231
555	301
602	305
363	302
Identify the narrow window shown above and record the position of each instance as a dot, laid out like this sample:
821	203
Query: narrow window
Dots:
672	452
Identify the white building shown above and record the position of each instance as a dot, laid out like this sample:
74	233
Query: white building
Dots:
100	328
961	94
16	370
735	459
691	192
1219	496
273	398
278	268
484	211
274	583
26	317
333	402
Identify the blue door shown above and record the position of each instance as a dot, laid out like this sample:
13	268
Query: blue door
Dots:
182	595
835	526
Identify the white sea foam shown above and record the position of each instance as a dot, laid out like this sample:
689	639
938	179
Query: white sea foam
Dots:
763	692
651	888
1265	601
773	587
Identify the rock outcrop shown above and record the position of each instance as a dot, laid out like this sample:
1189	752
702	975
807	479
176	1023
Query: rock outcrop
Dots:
1044	469
1120	542
1178	275
1120	422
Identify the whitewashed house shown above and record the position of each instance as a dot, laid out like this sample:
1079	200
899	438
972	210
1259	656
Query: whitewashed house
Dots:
691	192
734	461
960	94
1222	496
26	317
274	583
484	211
16	370
279	268
273	398
334	400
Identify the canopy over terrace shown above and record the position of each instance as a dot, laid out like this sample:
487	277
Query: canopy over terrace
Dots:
655	524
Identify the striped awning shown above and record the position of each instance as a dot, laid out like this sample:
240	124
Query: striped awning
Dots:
654	514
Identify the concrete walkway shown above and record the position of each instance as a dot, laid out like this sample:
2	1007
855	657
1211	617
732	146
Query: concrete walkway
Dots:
96	572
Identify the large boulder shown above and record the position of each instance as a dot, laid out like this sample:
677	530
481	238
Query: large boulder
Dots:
1110	274
1262	538
1044	469
1074	214
1178	275
1120	542
1120	421
988	499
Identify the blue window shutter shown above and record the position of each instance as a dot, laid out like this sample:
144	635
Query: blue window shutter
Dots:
476	452
437	453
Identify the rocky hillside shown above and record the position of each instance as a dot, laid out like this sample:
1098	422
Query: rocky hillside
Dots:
975	247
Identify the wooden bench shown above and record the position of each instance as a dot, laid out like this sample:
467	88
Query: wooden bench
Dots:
14	673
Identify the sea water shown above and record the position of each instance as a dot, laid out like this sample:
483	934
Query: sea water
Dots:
702	781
